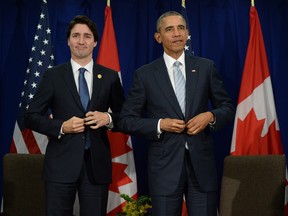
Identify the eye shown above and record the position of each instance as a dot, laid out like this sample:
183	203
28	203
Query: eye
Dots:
169	29
181	27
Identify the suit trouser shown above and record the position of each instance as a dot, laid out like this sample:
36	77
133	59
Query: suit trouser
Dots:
198	202
93	197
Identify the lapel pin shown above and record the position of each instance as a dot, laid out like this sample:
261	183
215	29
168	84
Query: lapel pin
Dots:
193	70
99	76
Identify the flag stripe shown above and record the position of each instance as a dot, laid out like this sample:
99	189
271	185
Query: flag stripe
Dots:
18	141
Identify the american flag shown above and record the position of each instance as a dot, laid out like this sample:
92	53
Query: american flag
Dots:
188	48
41	58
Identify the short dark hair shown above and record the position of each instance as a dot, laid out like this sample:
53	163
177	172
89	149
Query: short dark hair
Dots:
166	14
82	19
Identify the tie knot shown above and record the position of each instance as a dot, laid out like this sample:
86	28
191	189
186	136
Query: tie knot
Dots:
176	63
82	70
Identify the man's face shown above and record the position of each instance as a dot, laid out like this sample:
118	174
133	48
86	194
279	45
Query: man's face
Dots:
173	35
81	42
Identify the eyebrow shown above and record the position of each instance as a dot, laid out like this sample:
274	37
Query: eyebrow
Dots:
78	33
181	25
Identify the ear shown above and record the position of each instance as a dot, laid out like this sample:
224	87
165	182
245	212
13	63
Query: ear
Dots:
157	37
95	43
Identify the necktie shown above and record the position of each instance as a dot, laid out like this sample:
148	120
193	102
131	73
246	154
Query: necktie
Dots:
83	89
84	97
179	85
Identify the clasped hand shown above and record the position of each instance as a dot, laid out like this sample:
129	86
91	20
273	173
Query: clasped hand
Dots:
193	126
93	119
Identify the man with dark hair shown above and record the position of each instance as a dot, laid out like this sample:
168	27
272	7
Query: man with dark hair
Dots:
174	92
79	94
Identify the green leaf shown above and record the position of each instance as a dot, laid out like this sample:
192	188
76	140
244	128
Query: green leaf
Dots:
127	198
143	199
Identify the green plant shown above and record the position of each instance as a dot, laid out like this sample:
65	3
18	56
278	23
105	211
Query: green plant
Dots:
140	207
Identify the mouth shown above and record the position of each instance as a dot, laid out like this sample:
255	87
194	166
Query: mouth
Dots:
177	41
81	48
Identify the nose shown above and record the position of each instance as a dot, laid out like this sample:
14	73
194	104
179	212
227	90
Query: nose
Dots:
81	40
176	32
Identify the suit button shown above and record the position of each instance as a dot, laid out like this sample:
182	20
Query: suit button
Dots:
83	137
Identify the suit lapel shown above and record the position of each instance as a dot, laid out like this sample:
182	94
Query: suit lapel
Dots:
162	78
192	73
97	82
70	82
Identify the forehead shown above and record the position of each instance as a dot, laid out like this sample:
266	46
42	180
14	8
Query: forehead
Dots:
81	28
172	21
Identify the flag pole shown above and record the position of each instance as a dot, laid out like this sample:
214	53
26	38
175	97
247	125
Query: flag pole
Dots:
108	3
183	3
252	3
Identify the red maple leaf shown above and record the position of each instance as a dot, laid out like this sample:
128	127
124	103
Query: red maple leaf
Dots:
272	141
119	147
119	177
118	143
249	140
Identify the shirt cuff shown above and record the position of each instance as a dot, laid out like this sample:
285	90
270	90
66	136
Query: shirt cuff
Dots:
159	131
110	125
214	122
61	132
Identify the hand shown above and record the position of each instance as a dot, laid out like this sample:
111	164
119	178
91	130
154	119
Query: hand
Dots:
172	125
199	122
96	119
73	125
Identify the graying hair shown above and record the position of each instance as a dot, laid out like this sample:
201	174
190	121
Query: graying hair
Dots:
167	14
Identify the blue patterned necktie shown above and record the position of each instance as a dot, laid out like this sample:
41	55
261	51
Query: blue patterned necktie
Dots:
83	89
84	97
179	85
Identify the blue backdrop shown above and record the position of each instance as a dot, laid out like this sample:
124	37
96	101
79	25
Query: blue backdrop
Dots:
219	30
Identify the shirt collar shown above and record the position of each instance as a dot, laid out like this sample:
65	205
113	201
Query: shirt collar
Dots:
170	61
76	66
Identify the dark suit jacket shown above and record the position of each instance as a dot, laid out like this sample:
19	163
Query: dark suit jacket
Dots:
58	92
152	94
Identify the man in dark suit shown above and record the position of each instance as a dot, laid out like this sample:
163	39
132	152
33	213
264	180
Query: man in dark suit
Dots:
180	155
77	157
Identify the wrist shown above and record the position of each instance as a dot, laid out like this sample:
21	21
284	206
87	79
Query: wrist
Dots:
213	119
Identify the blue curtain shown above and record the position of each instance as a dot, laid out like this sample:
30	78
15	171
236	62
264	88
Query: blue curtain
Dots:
219	30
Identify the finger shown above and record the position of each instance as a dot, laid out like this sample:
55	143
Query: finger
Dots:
197	131
90	122
94	121
90	113
94	126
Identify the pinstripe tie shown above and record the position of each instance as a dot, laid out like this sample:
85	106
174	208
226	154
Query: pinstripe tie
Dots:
179	85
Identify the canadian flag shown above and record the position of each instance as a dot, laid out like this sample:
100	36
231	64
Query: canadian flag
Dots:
123	168
256	129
